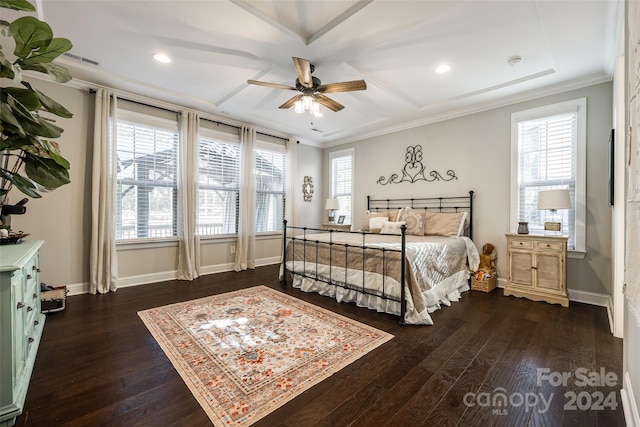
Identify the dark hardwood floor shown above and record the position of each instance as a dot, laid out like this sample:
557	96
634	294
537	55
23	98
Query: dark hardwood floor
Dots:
98	365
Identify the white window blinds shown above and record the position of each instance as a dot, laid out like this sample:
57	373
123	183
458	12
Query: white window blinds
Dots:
146	193
548	156
270	187
219	180
341	181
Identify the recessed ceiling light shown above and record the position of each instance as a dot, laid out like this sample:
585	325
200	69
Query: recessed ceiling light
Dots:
161	57
443	68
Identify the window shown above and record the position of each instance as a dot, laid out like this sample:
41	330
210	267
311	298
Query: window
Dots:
342	181
270	187
549	152
219	183
146	191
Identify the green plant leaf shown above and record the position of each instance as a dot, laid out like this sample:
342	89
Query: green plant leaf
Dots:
17	5
23	184
6	67
30	34
53	150
46	172
57	47
52	106
56	72
42	128
28	98
7	117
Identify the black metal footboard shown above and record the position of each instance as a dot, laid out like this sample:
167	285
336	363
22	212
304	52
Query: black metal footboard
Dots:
339	258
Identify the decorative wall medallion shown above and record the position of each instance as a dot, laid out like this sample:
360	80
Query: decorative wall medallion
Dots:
413	170
307	188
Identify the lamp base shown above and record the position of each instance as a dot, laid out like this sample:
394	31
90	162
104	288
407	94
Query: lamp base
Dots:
552	226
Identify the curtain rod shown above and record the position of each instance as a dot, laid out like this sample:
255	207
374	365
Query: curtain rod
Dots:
91	90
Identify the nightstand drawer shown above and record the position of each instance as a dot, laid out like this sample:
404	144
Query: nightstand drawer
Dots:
549	246
516	243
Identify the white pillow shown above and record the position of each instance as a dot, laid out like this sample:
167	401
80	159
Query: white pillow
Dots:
375	223
389	227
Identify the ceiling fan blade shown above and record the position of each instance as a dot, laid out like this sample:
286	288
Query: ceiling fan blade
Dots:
328	102
342	86
291	101
303	70
273	85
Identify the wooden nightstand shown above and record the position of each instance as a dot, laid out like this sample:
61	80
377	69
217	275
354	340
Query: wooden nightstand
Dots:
537	268
337	227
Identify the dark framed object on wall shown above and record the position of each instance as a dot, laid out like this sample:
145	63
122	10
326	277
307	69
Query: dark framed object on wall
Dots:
611	166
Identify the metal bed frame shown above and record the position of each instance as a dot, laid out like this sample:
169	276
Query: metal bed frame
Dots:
439	204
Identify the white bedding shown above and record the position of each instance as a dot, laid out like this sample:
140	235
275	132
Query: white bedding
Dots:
439	273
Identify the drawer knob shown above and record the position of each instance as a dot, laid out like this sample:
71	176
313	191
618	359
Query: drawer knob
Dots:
35	296
534	268
34	267
30	340
29	308
29	277
36	322
548	245
20	305
37	270
520	243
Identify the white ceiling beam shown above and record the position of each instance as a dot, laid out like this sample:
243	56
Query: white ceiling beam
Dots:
338	20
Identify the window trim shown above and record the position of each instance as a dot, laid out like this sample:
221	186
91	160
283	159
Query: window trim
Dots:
578	106
343	153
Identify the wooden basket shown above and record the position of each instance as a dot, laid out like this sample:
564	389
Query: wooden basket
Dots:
484	285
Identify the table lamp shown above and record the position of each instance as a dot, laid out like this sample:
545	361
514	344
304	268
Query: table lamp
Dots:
553	200
332	206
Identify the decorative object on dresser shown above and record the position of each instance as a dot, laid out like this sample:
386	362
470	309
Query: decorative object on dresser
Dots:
485	278
21	324
552	200
413	170
537	268
387	268
307	188
332	206
523	227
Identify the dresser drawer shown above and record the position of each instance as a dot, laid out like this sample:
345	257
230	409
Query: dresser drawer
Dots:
524	243
548	246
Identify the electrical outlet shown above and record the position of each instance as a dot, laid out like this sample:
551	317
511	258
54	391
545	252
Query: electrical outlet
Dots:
233	249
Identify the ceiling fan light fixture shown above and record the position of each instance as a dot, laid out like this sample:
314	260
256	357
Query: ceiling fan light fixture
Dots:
443	68
298	108
161	57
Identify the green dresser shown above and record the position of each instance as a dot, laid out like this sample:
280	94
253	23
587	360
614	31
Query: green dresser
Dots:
21	324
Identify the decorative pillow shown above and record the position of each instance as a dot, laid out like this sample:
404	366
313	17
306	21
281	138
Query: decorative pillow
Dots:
415	220
375	223
394	215
368	215
445	224
389	227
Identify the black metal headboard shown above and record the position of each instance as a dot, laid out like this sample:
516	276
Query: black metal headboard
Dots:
438	204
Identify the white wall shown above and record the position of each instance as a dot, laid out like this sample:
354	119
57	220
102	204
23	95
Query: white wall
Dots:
63	217
477	148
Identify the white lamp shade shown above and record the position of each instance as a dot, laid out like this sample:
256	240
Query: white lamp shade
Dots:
554	199
332	204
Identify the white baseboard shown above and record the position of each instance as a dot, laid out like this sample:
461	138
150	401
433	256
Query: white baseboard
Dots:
587	297
163	276
629	403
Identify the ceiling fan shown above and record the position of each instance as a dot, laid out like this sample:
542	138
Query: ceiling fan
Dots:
311	88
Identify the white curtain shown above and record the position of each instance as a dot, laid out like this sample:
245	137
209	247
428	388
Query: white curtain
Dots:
103	259
293	187
188	170
245	247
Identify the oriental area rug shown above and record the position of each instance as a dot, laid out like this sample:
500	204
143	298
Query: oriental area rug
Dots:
245	353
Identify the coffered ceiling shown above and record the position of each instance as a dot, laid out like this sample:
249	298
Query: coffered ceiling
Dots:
395	46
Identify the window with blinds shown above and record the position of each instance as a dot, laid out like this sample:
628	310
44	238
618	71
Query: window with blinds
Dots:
270	188
342	181
146	188
219	186
550	155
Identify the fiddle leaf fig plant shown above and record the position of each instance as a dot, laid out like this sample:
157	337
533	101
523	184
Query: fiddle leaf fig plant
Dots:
29	160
